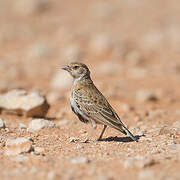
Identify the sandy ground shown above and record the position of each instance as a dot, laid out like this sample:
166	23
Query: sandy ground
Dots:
131	47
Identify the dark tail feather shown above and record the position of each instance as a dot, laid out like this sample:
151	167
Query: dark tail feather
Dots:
125	131
130	134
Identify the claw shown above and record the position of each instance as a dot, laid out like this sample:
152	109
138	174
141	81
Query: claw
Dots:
84	140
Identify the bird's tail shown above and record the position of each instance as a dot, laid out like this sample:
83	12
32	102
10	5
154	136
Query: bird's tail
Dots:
121	127
129	133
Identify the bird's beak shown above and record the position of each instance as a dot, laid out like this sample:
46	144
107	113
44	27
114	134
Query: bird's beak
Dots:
66	68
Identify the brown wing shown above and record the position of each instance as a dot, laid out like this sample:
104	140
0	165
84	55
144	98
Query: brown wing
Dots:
95	105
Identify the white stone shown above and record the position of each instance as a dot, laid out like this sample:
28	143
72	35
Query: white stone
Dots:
2	138
145	138
23	103
2	124
18	146
61	80
73	139
38	124
38	150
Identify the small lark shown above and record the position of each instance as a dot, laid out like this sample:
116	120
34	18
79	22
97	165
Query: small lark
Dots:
88	103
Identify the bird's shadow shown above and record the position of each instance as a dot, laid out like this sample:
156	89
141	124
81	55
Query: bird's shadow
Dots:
120	139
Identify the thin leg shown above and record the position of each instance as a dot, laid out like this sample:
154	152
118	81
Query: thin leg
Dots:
93	123
104	128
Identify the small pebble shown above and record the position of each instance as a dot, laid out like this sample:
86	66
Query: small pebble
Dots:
38	150
2	124
38	124
18	146
73	139
145	138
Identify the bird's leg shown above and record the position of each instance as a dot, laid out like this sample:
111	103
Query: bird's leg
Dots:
93	123
104	128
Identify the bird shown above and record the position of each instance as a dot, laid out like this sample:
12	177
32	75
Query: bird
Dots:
89	104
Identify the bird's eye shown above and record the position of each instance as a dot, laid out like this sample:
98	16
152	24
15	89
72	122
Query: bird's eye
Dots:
75	67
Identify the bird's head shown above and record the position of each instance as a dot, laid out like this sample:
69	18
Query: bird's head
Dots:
77	70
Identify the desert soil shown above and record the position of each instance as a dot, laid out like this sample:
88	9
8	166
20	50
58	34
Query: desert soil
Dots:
133	51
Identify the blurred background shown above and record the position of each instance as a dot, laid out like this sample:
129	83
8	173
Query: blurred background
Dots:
128	38
132	48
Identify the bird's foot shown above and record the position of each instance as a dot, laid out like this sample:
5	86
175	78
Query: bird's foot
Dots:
86	140
99	139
